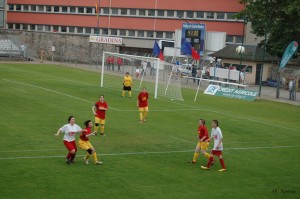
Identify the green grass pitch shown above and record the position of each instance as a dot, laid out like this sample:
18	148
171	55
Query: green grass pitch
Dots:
261	142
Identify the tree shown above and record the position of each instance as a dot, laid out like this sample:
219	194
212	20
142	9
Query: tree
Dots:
276	20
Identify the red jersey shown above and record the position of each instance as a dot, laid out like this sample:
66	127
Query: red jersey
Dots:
202	130
101	113
83	135
143	99
119	61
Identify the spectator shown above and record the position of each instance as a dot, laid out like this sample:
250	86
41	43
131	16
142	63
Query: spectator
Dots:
119	62
292	89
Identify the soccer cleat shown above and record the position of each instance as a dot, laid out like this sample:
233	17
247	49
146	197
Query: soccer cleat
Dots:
141	121
68	161
102	133
86	161
144	120
221	170
192	162
98	162
205	168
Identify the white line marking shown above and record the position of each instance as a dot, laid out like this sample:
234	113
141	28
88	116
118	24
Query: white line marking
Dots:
149	152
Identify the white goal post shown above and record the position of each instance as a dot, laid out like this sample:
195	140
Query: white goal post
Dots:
154	74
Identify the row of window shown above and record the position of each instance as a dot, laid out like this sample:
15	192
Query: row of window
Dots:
207	15
106	31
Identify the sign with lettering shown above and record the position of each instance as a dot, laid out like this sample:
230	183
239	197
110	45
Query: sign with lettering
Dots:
242	94
106	40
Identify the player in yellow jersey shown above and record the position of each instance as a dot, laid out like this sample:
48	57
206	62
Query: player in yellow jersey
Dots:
127	84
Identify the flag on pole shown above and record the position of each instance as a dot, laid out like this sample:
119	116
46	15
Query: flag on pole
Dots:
187	49
157	51
96	10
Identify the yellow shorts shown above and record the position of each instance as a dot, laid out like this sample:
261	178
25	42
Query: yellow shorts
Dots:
85	145
203	145
99	121
144	109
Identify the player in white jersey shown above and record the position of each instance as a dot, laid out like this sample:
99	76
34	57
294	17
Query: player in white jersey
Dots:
216	134
69	131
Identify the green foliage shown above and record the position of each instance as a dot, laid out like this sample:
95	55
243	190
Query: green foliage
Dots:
276	19
140	161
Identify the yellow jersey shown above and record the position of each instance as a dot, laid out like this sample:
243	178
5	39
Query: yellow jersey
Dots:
127	81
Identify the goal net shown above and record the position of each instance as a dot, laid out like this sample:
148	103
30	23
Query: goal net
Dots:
156	75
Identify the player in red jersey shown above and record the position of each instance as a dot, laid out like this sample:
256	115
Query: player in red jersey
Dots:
142	104
203	142
99	110
85	144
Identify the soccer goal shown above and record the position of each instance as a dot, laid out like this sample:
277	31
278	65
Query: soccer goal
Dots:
154	74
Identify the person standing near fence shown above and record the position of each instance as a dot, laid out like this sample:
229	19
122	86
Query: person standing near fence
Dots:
108	63
112	63
119	62
292	89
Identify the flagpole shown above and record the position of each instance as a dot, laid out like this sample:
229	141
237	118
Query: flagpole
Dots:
98	5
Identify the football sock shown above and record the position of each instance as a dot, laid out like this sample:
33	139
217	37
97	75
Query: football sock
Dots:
222	163
129	93
72	156
102	129
68	156
87	156
141	116
211	159
95	157
207	155
196	155
96	128
145	115
123	93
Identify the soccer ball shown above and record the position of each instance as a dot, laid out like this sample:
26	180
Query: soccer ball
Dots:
240	50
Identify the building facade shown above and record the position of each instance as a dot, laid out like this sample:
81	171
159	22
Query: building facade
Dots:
139	23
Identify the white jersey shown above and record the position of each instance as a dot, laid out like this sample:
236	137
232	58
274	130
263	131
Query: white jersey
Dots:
70	131
216	134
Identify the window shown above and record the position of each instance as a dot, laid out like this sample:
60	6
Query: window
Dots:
18	7
25	26
229	38
239	39
132	11
79	30
81	10
170	13
63	29
1	18
159	34
11	7
190	14
151	13
180	13
230	15
2	3
150	34
17	26
220	15
200	15
10	26
131	33
64	9
47	28
55	28
122	33
40	27
88	30
160	13
114	11
105	11
72	9
72	29
32	27
25	7
141	33
33	7
142	12
41	8
89	10
210	15
123	11
56	8
169	35
113	32
48	8
105	31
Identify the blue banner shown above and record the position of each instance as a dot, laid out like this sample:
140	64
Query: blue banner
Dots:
288	53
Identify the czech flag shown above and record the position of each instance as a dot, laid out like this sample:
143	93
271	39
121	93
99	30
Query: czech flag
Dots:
187	49
157	51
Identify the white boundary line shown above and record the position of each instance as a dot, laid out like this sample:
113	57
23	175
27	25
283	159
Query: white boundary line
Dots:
150	152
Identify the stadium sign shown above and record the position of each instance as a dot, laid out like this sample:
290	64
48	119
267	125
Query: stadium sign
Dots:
242	94
195	35
106	40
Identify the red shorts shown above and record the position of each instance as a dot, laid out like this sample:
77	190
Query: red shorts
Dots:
70	145
216	153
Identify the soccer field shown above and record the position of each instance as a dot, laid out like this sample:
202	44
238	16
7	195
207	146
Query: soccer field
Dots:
150	160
